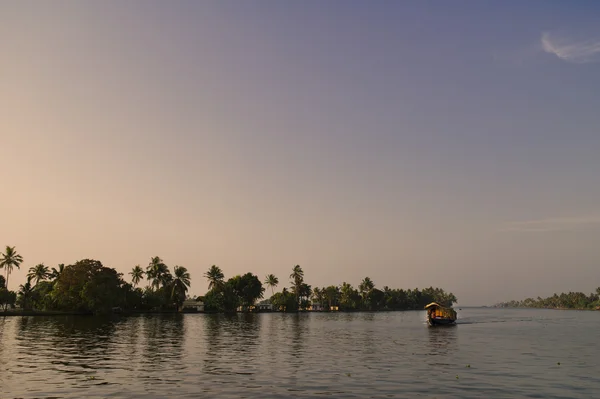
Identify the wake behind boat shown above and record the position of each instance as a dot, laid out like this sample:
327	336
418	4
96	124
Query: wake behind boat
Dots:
440	315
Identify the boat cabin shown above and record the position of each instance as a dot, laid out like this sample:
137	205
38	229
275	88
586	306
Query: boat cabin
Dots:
438	314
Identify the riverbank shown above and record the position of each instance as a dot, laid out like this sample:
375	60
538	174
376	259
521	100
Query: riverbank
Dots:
61	313
137	313
42	313
545	308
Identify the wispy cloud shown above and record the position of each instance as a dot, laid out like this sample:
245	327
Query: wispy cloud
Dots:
554	224
569	50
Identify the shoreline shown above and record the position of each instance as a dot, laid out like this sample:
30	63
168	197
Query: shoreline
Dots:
158	312
528	307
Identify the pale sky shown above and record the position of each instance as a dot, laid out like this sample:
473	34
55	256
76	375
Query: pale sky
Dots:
418	143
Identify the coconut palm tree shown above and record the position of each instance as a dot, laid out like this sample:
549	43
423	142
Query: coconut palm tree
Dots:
10	259
297	278
332	294
38	273
318	296
156	272
166	278
137	274
55	273
272	282
365	287
215	277
180	284
25	294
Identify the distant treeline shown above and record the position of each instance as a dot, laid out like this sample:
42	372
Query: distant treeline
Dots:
572	300
87	286
226	296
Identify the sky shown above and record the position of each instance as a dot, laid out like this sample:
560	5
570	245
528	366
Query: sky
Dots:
450	144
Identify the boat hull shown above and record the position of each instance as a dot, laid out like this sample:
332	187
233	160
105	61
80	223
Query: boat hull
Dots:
440	322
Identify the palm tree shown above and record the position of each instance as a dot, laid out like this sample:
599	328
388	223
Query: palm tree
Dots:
272	282
215	277
332	293
297	277
304	294
25	294
180	283
346	295
318	295
38	272
165	278
365	288
156	272
55	273
137	274
10	259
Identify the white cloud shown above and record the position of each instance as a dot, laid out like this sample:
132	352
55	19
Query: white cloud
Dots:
554	224
571	50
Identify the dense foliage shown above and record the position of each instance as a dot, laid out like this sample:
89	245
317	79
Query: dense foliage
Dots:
345	297
367	297
239	291
572	300
7	298
88	286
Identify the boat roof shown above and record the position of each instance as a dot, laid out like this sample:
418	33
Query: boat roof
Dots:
433	304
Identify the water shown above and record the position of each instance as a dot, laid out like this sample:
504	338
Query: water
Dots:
511	353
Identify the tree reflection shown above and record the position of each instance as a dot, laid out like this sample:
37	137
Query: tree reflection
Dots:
71	334
164	335
213	324
72	344
244	333
246	328
2	340
231	343
299	329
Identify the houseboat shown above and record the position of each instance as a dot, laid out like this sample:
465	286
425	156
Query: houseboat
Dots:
440	315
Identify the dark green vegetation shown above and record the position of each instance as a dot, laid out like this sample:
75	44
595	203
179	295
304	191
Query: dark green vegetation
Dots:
368	297
243	292
87	286
228	296
572	300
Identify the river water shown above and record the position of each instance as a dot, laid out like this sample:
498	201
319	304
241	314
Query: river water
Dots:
491	353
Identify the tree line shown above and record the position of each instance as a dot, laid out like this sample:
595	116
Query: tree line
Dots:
88	286
244	291
571	300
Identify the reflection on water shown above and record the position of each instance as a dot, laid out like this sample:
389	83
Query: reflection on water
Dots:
83	342
442	343
212	332
231	342
298	329
305	355
163	338
441	339
3	324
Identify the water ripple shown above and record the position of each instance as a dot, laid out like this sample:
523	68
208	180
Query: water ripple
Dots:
492	353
